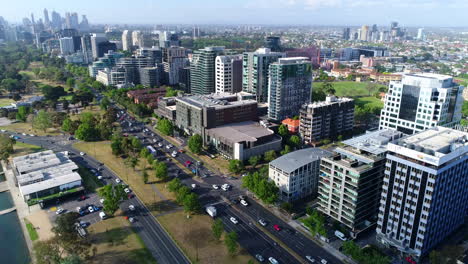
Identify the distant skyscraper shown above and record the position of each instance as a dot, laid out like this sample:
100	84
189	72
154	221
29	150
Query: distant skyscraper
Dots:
229	74
196	32
346	33
420	34
289	87
424	194
421	101
364	33
136	38
374	28
127	40
202	69
66	46
56	20
273	43
97	38
84	25
46	18
255	72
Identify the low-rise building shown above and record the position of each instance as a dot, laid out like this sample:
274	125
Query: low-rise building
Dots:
242	140
292	124
385	78
146	96
167	108
44	174
351	180
296	174
327	119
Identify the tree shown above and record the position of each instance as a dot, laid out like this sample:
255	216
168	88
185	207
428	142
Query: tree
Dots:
270	155
70	83
287	207
69	126
131	161
350	248
283	130
73	259
182	192
295	141
259	184
47	252
254	160
65	226
328	87
218	228
195	143
144	153
105	103
286	150
170	92
165	126
174	185
145	175
371	87
86	132
6	147
53	93
235	166
23	112
316	223
113	195
160	170
16	97
191	203
42	120
231	242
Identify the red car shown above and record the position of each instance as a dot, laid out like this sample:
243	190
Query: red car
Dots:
187	163
277	227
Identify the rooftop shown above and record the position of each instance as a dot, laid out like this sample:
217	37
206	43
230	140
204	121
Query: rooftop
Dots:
440	77
292	60
293	160
373	142
241	132
39	160
219	100
329	101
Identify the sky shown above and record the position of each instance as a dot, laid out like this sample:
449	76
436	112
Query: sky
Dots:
417	13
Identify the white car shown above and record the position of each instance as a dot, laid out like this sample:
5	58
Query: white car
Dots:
78	209
82	153
244	202
234	220
3	130
324	261
193	186
262	222
174	154
169	146
155	140
131	207
101	201
24	134
273	260
117	180
160	144
310	258
225	187
127	190
59	210
99	177
90	209
216	187
32	135
131	219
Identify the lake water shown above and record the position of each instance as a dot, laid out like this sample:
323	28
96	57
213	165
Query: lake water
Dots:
13	248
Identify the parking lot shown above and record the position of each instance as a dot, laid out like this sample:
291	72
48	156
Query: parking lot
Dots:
71	205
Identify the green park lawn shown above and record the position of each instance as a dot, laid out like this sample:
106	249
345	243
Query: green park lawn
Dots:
349	88
5	101
369	100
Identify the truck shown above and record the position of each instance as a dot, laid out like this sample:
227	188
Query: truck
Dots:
211	210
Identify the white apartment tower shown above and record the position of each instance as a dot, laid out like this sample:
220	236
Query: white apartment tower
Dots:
425	190
421	101
66	46
127	40
228	70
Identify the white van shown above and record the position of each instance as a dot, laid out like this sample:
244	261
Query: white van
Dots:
340	235
102	215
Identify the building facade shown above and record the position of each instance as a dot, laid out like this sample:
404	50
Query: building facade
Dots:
202	70
351	180
422	101
228	74
424	191
296	174
289	87
66	46
127	40
326	120
255	66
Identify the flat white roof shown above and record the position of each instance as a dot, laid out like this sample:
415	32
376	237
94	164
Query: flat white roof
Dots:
50	183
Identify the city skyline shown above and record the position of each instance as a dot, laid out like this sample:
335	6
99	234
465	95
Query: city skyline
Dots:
299	12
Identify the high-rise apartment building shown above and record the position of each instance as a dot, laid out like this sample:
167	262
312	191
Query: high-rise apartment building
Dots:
136	38
351	180
46	18
127	40
326	120
364	33
421	101
229	74
289	87
97	38
202	69
174	58
56	20
273	43
420	35
424	194
346	33
255	67
66	46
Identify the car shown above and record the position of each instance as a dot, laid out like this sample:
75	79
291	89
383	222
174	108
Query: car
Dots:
3	130
100	177
117	180
78	209
262	222
187	163
169	146
83	224
96	208
225	187
131	207
310	258
277	227
91	209
102	200
32	135
82	198
130	196
82	153
323	261
127	190
273	260
59	210
215	186
155	140
259	257
234	220
193	185
160	144
24	134
93	171
174	155
131	219
244	202
181	151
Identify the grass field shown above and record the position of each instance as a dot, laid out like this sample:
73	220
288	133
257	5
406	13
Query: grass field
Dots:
348	88
31	230
370	100
21	149
5	101
20	127
170	215
115	242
